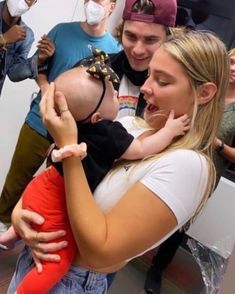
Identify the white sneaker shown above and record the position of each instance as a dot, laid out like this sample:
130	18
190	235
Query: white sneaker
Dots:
3	247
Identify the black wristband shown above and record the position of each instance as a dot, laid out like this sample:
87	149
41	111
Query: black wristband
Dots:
221	146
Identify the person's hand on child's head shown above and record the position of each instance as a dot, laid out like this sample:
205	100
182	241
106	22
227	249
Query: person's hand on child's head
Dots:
57	117
178	126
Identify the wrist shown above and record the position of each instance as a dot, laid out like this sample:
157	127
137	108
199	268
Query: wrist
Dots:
220	146
73	150
2	42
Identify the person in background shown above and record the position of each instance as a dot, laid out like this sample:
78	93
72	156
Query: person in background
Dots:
16	39
71	41
139	203
225	141
224	153
144	27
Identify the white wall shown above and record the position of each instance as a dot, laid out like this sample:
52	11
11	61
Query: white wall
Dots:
15	98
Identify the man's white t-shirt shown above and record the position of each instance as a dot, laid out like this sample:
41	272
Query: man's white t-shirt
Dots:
128	95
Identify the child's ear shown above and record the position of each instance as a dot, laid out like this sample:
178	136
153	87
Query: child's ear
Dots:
95	117
206	92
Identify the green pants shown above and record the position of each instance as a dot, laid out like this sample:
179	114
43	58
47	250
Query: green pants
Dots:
30	153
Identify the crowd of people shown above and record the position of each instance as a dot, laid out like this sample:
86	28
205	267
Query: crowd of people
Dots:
116	198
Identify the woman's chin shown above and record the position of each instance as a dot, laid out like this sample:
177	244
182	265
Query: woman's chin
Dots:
155	120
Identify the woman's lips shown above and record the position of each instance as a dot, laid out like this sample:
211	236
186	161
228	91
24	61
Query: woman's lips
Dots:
151	108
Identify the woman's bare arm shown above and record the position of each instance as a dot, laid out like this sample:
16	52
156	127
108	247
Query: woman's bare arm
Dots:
138	221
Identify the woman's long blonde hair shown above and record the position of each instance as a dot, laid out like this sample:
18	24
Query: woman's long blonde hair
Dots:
231	52
205	59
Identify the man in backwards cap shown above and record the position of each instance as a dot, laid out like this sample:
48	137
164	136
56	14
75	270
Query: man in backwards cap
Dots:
145	25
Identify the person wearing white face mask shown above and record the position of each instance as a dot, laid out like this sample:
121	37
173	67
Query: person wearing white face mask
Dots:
19	7
72	40
16	39
94	12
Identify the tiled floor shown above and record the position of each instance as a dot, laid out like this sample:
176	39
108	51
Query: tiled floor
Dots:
182	276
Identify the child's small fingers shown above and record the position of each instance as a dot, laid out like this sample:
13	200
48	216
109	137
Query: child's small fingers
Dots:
186	128
171	114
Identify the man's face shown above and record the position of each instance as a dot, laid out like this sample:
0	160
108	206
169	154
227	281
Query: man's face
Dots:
30	2
232	69
107	4
140	40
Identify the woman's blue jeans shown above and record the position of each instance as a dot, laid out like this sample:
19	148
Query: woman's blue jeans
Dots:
77	280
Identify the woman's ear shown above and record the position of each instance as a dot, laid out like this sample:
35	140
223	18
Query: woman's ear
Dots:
206	92
95	117
112	7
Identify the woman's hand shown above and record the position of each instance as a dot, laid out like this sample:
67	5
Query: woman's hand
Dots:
37	241
57	117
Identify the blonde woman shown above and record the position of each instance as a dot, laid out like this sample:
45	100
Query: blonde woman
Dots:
139	204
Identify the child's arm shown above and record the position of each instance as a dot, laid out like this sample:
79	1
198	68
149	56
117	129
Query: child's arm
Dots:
160	140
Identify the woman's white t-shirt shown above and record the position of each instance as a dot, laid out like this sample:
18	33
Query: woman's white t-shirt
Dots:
179	178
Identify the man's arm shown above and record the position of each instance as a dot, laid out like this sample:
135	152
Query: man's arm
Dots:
225	150
23	67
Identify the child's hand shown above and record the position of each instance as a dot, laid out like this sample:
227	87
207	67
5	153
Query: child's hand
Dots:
177	126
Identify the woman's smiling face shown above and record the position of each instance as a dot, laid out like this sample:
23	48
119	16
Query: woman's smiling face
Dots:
167	88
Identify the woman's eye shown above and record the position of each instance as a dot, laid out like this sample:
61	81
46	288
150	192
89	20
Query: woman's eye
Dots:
162	83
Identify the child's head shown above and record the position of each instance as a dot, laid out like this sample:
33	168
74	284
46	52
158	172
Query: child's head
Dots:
88	98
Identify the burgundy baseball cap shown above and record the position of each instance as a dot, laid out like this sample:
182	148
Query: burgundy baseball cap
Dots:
164	12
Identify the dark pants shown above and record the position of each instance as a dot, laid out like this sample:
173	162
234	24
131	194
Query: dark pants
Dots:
167	251
29	155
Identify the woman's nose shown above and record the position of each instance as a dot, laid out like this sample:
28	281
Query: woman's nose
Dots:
146	89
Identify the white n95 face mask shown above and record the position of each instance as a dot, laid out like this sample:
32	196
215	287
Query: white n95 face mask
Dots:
94	12
17	7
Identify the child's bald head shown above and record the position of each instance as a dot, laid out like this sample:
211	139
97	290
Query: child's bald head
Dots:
83	93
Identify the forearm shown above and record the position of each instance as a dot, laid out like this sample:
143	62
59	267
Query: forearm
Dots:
87	221
152	144
228	152
16	214
42	83
23	68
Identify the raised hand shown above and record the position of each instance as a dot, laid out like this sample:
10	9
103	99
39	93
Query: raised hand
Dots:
46	49
57	117
14	34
